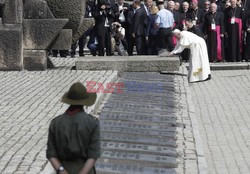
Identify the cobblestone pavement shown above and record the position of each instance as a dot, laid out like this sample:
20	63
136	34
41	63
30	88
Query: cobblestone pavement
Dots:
28	101
222	107
150	132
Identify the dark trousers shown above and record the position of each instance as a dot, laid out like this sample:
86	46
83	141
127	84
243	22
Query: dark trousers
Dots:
63	53
73	49
152	45
131	44
165	39
140	42
104	41
247	47
82	43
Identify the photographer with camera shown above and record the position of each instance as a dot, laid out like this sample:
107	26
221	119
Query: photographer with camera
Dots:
104	17
121	9
119	36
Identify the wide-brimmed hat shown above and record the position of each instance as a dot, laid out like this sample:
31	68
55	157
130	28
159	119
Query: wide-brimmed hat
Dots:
78	95
154	9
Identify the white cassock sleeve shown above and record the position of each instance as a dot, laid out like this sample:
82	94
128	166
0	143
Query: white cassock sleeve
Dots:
185	41
178	48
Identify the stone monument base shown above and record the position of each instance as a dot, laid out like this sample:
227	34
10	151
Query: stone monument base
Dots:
129	63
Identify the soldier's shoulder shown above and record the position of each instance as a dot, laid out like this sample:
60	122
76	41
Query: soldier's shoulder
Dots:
93	117
57	118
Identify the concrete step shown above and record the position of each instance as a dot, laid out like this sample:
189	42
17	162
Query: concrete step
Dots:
139	126
116	168
128	138
138	117
128	105
139	148
140	159
135	131
137	110
227	65
129	63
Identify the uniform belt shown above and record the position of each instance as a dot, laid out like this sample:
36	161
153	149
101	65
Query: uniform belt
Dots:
74	160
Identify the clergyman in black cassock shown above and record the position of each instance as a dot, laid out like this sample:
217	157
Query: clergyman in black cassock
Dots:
214	31
233	26
247	29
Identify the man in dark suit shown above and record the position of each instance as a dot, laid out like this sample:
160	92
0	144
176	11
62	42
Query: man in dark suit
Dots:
139	28
103	23
146	8
129	31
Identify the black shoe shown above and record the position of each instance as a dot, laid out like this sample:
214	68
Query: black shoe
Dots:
209	77
64	55
81	55
72	55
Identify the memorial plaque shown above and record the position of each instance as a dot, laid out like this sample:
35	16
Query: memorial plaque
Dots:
139	148
140	159
143	100
137	139
137	125
150	133
112	168
133	117
138	128
141	111
131	105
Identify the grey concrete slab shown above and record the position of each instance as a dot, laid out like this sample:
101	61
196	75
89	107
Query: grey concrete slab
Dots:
35	60
140	159
139	148
139	117
125	63
227	66
171	134
112	168
125	138
139	126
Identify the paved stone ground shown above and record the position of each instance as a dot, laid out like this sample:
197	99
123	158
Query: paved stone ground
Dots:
28	101
222	107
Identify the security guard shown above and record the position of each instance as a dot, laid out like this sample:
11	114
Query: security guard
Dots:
74	137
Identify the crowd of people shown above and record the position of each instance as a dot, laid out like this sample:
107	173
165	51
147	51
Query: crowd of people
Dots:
121	26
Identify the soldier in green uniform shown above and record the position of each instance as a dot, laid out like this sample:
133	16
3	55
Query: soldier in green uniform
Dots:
74	137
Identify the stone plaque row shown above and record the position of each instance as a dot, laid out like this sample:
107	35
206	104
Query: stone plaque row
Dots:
112	168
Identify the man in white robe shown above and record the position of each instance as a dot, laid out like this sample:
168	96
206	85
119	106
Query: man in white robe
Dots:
199	69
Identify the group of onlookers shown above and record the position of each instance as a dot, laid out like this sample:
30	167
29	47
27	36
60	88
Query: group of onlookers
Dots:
148	26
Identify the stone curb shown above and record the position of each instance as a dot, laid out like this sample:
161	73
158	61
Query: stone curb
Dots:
202	164
226	66
48	169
